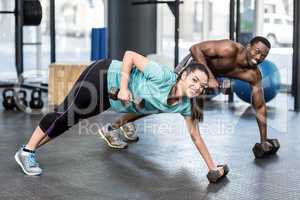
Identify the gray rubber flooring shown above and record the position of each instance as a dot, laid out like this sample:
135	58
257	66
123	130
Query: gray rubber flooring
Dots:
164	164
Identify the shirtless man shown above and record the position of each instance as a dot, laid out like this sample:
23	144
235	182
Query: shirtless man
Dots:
233	60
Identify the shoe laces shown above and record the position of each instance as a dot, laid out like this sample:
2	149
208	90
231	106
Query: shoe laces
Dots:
32	160
129	127
115	135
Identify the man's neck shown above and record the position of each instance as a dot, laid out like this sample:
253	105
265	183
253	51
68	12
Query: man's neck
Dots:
242	58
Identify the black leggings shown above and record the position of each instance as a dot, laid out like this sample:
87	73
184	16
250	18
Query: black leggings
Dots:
87	98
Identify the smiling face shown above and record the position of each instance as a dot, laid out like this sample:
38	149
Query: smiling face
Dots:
194	83
256	53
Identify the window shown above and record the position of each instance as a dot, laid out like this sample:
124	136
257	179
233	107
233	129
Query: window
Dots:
199	20
278	21
289	22
267	20
74	20
73	28
7	41
281	38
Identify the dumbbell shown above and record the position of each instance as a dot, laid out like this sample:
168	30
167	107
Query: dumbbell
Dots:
9	99
224	87
266	148
36	101
276	145
214	175
20	100
113	94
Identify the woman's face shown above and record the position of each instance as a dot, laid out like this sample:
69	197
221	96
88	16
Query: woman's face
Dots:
194	83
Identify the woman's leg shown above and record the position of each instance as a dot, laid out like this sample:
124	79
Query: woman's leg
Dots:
45	140
128	117
82	102
40	137
54	124
128	130
37	139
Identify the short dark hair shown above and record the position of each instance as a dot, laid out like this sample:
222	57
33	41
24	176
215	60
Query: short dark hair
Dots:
261	39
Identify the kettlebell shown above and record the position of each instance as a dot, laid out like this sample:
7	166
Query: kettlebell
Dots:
20	100
36	101
9	99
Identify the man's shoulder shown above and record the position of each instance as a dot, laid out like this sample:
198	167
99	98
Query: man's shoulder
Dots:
219	42
222	47
228	47
250	74
231	44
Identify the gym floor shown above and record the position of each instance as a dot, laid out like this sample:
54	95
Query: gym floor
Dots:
164	164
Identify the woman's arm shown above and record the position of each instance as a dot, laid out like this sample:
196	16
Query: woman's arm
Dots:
198	141
130	58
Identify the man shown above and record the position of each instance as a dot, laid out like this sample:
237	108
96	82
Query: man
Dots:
231	59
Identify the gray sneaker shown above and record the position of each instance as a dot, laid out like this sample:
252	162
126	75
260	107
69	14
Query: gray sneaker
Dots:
28	163
129	132
112	137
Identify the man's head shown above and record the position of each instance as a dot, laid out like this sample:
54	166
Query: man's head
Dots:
257	50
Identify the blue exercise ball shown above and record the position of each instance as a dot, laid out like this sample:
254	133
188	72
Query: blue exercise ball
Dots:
270	83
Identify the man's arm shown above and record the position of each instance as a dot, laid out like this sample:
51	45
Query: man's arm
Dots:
212	49
254	78
198	141
258	103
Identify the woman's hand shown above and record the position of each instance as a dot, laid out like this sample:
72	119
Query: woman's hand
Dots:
125	96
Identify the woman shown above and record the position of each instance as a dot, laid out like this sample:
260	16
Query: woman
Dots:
136	86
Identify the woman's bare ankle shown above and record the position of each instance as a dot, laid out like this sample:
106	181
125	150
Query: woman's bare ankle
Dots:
31	148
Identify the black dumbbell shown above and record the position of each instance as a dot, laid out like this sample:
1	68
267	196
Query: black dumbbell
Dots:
214	175
266	148
20	99
9	99
275	145
225	86
113	94
36	101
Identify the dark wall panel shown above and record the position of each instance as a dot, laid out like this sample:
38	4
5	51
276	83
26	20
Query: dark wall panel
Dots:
131	27
296	57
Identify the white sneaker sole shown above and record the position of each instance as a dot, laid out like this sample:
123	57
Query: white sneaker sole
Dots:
106	140
23	169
